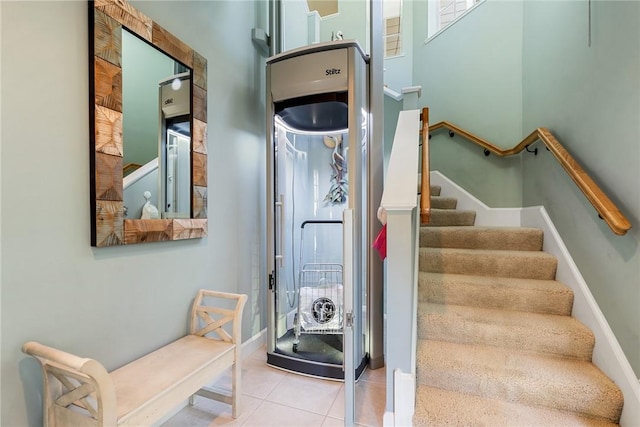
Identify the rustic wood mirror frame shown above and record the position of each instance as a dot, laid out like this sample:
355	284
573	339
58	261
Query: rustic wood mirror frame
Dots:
107	18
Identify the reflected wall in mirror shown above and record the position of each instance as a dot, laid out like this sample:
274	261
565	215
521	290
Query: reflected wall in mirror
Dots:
303	23
148	136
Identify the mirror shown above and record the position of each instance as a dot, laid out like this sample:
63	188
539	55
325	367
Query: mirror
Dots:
148	136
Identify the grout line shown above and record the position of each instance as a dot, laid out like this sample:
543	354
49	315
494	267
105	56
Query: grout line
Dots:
258	356
335	399
251	413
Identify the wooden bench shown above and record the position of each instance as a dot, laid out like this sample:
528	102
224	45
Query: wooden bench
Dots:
80	392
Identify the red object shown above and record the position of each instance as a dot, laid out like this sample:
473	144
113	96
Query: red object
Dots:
380	243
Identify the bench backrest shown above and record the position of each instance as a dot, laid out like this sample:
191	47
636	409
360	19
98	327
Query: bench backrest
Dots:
208	320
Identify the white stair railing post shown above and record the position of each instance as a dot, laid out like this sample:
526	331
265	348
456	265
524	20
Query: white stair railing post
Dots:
400	201
410	97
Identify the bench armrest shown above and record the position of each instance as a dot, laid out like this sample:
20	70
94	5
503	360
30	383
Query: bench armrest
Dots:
72	380
207	319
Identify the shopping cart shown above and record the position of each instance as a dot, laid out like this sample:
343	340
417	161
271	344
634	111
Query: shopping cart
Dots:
320	294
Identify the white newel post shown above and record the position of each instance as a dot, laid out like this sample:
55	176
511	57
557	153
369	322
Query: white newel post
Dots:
400	288
400	201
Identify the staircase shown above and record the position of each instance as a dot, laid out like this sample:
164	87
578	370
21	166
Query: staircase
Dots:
497	345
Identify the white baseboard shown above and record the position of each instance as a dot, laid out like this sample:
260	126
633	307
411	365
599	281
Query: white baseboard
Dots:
507	217
404	385
254	343
387	419
607	353
404	400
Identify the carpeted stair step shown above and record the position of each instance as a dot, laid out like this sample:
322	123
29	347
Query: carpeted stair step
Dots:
438	407
497	344
519	377
553	335
476	237
439	202
537	296
434	190
521	264
442	217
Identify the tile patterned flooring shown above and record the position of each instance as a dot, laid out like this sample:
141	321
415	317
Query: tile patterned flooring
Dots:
272	397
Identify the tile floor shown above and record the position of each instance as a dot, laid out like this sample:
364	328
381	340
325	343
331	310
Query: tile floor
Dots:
271	397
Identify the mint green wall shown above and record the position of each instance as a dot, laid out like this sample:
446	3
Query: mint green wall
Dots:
511	66
589	97
115	304
471	75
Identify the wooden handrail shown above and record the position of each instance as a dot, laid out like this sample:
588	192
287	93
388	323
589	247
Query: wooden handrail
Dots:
606	209
425	184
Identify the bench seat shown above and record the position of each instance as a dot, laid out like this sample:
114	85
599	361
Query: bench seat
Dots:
143	383
80	392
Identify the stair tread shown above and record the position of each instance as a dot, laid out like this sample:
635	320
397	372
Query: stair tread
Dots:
482	237
499	252
489	262
490	227
453	211
512	293
553	335
520	377
442	217
434	190
436	407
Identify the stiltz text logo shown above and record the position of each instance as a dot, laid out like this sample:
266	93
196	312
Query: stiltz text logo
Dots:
332	71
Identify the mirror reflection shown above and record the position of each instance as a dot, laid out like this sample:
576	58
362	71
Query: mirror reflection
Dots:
156	132
392	14
175	142
317	21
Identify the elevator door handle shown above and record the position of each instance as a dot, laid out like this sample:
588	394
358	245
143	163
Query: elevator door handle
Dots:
280	206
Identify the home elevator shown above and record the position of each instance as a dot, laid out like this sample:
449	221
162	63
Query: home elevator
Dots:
318	209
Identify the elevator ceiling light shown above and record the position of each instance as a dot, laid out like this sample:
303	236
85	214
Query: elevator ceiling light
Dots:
322	117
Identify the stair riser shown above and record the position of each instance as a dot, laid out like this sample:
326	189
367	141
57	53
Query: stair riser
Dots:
447	217
443	202
434	190
536	396
527	265
437	407
571	341
510	383
474	292
481	238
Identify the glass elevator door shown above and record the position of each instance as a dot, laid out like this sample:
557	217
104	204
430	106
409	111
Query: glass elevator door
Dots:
311	192
316	179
